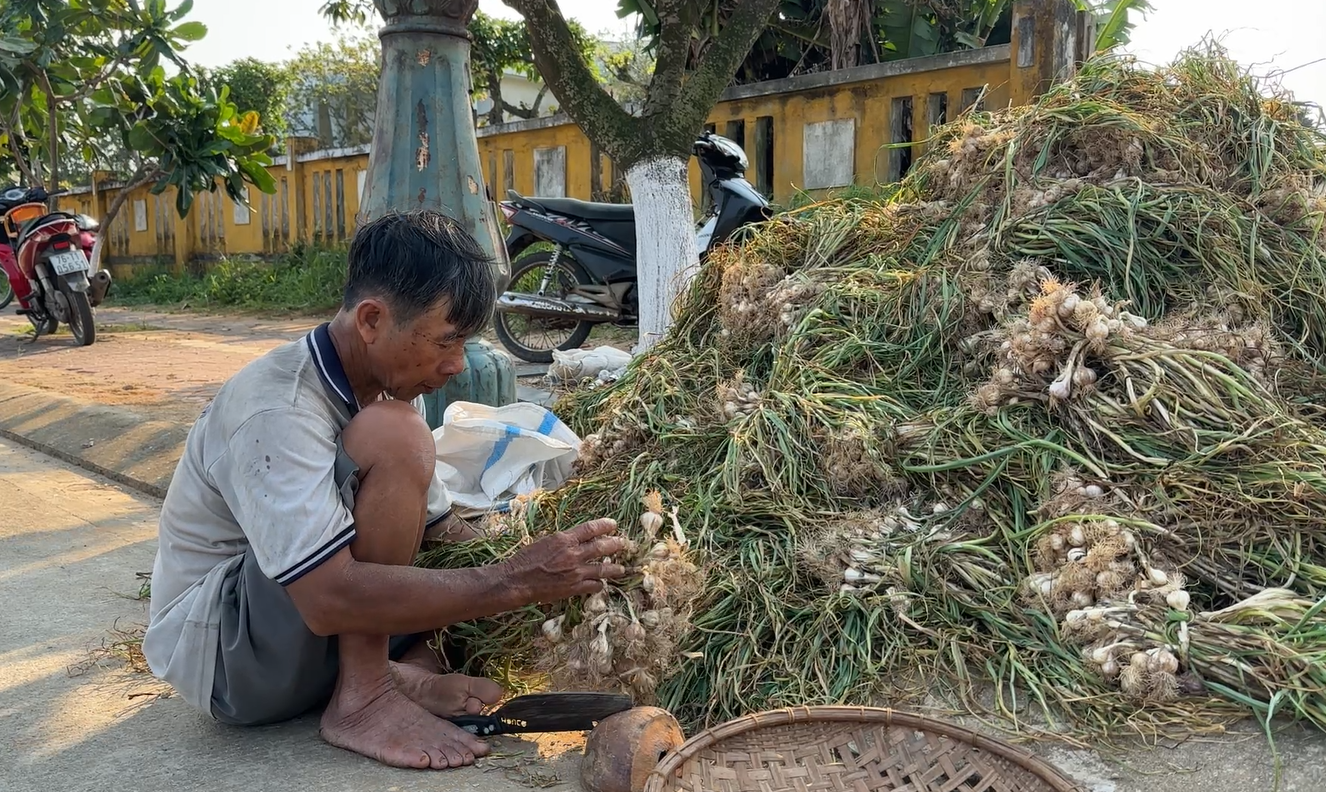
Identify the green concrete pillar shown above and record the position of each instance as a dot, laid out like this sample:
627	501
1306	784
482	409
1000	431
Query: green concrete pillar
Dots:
425	155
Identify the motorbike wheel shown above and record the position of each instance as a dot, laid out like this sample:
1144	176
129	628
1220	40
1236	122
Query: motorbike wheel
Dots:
514	330
6	290
80	318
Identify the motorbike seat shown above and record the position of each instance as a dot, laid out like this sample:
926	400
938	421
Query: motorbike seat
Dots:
26	230
583	210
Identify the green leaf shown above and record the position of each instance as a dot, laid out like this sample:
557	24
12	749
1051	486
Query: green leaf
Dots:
181	12
141	138
17	46
190	31
258	175
968	40
216	147
183	200
1115	31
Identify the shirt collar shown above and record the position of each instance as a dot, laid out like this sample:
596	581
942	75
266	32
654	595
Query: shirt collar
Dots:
330	370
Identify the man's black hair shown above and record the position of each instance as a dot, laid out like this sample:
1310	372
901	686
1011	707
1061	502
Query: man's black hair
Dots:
413	260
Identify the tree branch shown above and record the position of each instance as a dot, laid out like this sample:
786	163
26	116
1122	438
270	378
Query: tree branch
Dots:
146	172
564	70
13	132
725	55
527	112
674	49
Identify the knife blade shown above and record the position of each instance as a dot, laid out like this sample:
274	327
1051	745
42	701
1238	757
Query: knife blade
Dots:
545	712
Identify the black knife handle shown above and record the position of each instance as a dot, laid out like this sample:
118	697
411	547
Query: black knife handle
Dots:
478	725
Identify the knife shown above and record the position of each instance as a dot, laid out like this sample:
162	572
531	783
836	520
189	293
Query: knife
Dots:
545	712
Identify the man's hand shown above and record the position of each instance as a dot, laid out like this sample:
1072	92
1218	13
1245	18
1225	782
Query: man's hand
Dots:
567	564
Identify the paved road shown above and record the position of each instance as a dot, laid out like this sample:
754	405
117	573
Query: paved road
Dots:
70	545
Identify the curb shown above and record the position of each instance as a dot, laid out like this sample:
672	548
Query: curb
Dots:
118	443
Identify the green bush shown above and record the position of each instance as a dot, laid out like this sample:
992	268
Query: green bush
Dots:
308	279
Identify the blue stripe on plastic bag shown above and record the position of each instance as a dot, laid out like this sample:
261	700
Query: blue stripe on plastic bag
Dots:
500	447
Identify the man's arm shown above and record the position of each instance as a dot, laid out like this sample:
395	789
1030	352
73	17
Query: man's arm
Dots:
343	595
278	478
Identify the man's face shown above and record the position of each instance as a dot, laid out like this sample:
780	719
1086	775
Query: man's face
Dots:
413	357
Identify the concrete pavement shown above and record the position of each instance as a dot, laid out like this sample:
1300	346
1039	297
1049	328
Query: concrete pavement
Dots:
70	545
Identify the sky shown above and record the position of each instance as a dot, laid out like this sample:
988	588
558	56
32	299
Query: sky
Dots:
1275	38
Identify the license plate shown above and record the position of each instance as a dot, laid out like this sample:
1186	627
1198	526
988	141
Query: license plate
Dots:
65	263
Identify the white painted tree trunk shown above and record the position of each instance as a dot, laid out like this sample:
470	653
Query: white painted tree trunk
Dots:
665	246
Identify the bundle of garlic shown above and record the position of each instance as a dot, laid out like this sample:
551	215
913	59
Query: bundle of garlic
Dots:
1060	330
791	297
1144	670
626	635
1081	563
857	553
738	398
618	438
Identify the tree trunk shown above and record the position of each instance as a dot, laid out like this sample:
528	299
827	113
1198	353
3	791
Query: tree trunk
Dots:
53	163
495	116
665	246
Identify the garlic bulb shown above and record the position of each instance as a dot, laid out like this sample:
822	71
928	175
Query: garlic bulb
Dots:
651	523
552	629
1068	306
1178	600
1062	387
1161	659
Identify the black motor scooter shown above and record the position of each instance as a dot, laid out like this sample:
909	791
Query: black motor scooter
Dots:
589	277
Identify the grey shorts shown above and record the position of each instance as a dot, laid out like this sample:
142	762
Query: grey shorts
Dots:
269	666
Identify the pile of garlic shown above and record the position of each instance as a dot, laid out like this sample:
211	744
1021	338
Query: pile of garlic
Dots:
626	636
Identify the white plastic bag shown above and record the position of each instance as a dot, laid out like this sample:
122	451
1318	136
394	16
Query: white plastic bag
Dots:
488	455
573	365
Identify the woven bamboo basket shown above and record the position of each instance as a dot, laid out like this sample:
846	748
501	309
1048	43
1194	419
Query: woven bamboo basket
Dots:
856	749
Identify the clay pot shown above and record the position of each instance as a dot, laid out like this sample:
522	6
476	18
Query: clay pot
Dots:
624	748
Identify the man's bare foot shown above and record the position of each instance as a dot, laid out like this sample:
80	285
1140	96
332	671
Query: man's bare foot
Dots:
445	695
381	723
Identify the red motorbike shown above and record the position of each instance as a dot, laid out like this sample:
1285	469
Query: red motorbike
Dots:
47	257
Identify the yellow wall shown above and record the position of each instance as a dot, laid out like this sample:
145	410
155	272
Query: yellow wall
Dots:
300	210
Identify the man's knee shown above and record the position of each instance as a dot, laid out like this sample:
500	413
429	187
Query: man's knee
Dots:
391	436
